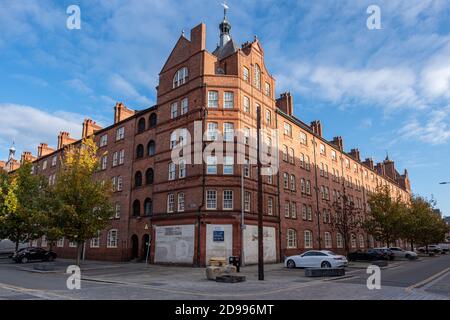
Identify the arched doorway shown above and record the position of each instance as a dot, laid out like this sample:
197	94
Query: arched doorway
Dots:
145	252
134	247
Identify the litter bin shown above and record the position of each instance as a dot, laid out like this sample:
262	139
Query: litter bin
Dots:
235	261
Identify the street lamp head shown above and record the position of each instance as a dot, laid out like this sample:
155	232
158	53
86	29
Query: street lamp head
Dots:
444	183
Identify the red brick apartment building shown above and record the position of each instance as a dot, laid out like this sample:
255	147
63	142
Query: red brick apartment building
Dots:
188	213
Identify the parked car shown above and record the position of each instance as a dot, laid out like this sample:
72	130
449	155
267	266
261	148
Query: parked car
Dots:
316	259
400	253
33	253
388	254
369	255
7	247
431	248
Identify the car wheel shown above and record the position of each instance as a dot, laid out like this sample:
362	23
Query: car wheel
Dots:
50	259
24	260
290	264
408	256
325	264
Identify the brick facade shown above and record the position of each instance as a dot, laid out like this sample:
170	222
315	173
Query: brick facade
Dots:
147	154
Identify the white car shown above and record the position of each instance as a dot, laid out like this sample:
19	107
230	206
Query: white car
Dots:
8	247
400	253
316	259
431	248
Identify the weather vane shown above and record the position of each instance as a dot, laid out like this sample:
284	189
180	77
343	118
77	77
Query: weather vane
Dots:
225	7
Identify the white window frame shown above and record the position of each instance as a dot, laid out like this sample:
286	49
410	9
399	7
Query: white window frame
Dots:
170	202
120	133
181	201
112	238
228	131
228	165
308	238
228	100
213	99
228	200
211	199
173	110
291	238
328	240
104	140
172	171
184	106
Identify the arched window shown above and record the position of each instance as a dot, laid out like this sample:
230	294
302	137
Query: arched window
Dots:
291	239
257	78
308	239
149	176
148	207
328	241
151	148
141	125
180	77
153	120
136	208
138	179
139	151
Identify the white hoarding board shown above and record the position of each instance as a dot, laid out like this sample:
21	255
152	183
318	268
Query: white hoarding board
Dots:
175	244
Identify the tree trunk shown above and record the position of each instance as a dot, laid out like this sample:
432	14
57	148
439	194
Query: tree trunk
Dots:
17	245
412	245
78	254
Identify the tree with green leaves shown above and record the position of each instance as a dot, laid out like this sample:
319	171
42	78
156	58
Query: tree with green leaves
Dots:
346	219
384	219
22	208
83	203
4	189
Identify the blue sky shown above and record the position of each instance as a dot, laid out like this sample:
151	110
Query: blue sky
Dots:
381	90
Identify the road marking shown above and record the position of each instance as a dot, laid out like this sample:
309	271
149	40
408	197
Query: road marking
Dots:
43	294
427	280
197	293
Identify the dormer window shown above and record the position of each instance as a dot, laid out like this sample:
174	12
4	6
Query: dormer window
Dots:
180	78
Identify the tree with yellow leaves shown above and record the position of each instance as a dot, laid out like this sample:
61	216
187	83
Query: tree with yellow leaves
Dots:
21	207
83	203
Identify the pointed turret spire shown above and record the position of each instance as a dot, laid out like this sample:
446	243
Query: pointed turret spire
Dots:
12	151
225	27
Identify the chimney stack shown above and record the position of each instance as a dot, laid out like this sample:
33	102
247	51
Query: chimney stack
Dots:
198	38
26	157
121	112
355	154
389	166
64	139
316	127
369	162
338	142
89	128
380	169
44	150
286	103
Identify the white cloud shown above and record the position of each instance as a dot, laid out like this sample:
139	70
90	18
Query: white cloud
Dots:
37	81
122	87
434	130
436	75
79	85
390	87
29	126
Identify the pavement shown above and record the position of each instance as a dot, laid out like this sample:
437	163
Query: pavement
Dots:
426	278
